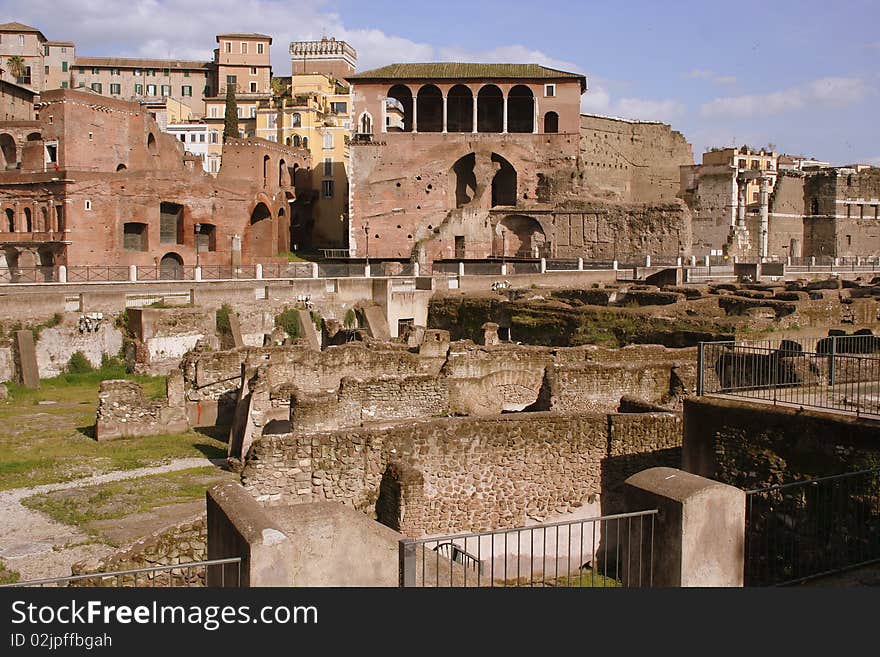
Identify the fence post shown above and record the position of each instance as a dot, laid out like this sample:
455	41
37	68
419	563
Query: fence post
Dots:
831	363
705	261
62	274
416	269
543	265
406	550
647	260
859	388
614	265
701	354
580	264
504	269
366	271
132	273
197	274
461	269
258	271
314	267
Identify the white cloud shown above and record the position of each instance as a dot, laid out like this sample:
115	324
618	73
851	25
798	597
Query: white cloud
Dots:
598	100
711	76
826	92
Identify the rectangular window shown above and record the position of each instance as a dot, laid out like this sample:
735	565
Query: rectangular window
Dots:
166	89
339	108
21	39
201	137
205	238
253	87
151	89
549	91
253	70
115	89
170	224
328	166
207	91
46	70
186	74
186	90
327	188
166	72
328	140
64	85
259	48
46	51
96	86
88	205
231	80
253	112
115	71
272	120
138	90
239	112
213	137
137	72
244	48
228	46
94	71
134	237
214	112
64	67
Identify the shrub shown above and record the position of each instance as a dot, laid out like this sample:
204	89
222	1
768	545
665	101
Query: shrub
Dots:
350	319
288	319
222	318
79	364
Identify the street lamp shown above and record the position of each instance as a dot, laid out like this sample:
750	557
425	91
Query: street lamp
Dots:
503	248
196	230
367	233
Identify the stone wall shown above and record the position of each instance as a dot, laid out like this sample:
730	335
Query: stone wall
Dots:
124	410
471	473
599	386
56	345
183	542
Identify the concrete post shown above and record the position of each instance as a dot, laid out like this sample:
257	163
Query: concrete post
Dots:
836	262
461	269
580	264
198	273
62	274
697	537
366	271
614	265
314	270
416	269
647	261
258	271
132	273
812	261
504	269
474	130
705	261
858	261
445	105
678	261
543	265
788	261
693	261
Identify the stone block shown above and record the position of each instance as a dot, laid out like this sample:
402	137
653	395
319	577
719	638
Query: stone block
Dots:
29	372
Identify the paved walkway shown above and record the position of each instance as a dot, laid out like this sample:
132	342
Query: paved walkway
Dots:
37	546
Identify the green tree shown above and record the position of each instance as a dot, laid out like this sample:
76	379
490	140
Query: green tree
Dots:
16	66
231	117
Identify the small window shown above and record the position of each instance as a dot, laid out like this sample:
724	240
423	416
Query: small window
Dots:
186	74
339	108
253	70
253	87
138	90
88	205
137	72
328	140
166	89
134	236
228	46
46	70
244	48
21	39
295	120
96	86
232	80
259	48
214	111
64	67
201	137
213	137
327	188
115	89
328	166
240	114
64	85
46	51
254	112
94	71
166	72
186	90
151	89
549	90
115	71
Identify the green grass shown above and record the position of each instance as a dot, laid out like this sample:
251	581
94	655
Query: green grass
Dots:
52	443
82	506
8	576
297	256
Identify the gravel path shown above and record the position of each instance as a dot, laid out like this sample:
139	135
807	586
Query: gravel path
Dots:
37	546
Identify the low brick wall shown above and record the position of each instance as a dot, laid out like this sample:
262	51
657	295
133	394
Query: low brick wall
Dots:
466	473
124	410
183	542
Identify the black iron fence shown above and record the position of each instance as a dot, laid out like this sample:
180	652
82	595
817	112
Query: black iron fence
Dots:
222	572
838	373
607	551
807	529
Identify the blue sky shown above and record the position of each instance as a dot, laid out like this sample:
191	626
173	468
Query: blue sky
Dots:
804	75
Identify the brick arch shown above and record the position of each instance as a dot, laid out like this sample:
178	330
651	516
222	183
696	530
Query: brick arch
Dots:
513	389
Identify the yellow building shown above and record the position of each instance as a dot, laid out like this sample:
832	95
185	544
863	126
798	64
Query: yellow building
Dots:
747	159
314	112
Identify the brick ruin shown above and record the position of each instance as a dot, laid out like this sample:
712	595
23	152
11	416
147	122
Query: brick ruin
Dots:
94	181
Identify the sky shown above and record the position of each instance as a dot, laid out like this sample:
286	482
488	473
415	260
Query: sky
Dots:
802	75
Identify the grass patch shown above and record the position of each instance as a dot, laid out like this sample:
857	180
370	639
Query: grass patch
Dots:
8	576
50	443
288	320
82	506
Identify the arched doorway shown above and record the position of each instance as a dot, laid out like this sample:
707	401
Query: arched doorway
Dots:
464	180
283	174
520	109
460	109
10	220
260	231
365	125
520	235
171	267
28	221
430	109
551	122
398	109
503	183
151	144
490	109
7	148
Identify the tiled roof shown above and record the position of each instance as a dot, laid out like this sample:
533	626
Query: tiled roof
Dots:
245	35
129	62
463	71
17	27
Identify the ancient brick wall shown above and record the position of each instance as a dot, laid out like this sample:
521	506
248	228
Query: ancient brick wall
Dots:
183	542
124	410
635	161
599	386
710	192
476	473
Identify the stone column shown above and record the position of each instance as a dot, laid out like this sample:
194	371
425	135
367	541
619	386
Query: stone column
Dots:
474	130
258	271
504	114
580	264
62	274
535	123
415	125
132	273
741	206
765	215
445	106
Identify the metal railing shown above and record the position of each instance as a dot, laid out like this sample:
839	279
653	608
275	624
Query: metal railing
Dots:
28	275
607	551
97	273
807	529
191	574
285	270
840	373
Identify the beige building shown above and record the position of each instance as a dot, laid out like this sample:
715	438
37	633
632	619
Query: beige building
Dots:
747	159
19	40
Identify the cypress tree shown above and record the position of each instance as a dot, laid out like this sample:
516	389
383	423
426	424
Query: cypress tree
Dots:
230	128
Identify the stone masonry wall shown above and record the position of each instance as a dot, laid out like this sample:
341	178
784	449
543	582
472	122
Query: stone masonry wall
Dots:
124	410
478	473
